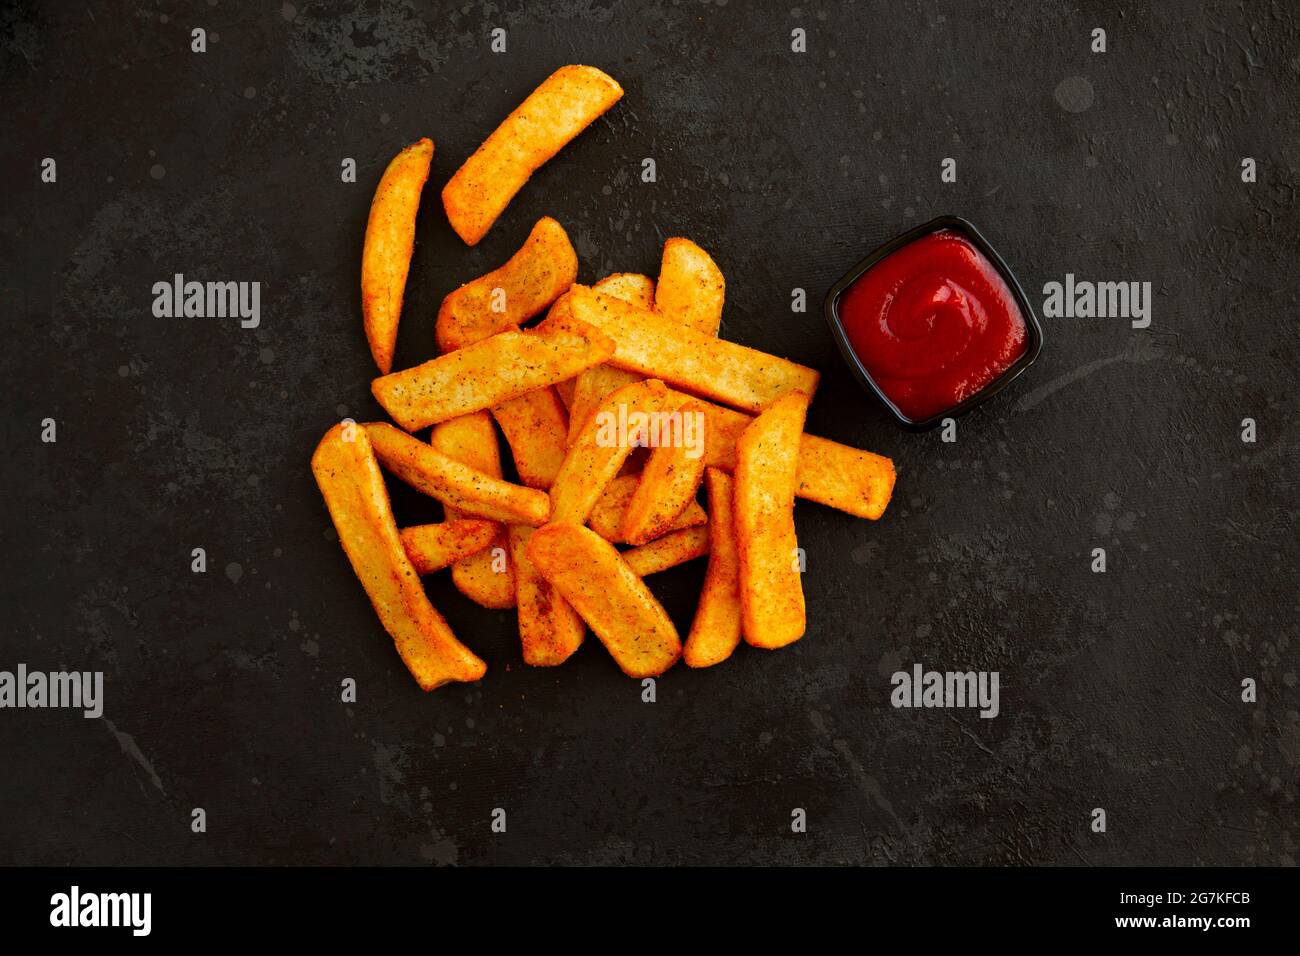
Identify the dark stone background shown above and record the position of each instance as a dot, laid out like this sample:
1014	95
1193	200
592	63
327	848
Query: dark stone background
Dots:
1119	691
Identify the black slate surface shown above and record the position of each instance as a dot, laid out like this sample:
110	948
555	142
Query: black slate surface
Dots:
1119	690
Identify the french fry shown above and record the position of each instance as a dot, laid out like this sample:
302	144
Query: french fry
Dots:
534	277
550	630
348	476
432	547
601	448
771	592
490	372
691	288
591	386
838	476
390	239
565	391
660	347
606	517
562	107
470	492
591	575
715	631
674	548
488	577
536	429
669	480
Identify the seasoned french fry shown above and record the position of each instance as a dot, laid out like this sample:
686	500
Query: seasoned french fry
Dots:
630	287
591	575
550	630
591	386
490	372
488	577
349	479
468	491
565	391
691	288
390	239
771	591
661	347
674	548
715	631
669	480
536	428
562	107
600	450
838	476
534	277
606	517
432	547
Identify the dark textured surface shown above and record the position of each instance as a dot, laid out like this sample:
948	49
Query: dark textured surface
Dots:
1119	691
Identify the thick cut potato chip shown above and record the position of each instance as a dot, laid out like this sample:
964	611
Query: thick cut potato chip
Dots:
390	239
534	277
771	589
661	347
591	386
601	448
691	288
349	479
715	631
470	492
562	107
674	548
669	480
488	577
550	630
490	372
606	517
591	575
536	429
838	476
432	547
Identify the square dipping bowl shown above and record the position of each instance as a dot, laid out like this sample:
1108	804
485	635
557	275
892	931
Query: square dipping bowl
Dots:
1033	330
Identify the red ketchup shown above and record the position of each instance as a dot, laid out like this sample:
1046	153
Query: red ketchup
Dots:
933	323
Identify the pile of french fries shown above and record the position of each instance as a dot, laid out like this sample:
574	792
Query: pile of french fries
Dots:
627	349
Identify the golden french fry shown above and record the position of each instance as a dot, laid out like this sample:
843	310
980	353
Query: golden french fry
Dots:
601	448
691	288
590	574
630	287
562	107
674	548
536	429
432	547
470	492
838	476
591	386
661	347
606	517
490	372
390	238
715	631
349	479
534	277
550	630
669	479
771	589
488	577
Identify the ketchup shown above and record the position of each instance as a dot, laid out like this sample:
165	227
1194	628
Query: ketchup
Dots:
933	323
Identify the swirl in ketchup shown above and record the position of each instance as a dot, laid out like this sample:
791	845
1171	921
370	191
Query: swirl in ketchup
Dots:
933	323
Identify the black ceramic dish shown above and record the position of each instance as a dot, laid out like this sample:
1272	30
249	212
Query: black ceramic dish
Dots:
1033	331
